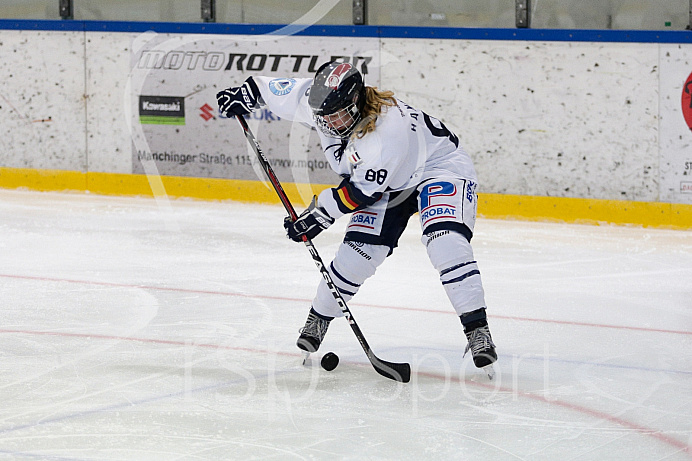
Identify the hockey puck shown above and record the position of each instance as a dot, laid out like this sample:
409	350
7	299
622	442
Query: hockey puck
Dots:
329	361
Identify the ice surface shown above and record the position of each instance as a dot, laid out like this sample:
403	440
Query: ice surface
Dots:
142	329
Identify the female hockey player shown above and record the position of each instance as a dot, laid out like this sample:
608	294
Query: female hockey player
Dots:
395	160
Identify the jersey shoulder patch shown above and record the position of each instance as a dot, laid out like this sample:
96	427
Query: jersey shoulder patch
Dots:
353	156
281	86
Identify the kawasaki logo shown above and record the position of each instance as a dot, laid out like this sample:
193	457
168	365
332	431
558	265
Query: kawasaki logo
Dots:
151	106
162	110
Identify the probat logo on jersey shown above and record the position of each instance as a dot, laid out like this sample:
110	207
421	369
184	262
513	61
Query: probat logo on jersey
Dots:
334	79
364	219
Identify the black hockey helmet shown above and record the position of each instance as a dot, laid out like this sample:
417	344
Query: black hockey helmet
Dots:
336	98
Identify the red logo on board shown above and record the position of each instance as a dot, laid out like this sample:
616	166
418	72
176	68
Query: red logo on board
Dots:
687	101
207	112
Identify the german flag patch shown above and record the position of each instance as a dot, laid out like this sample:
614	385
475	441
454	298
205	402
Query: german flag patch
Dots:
346	199
349	199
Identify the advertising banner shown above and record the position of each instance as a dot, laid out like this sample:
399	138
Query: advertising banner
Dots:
176	128
676	124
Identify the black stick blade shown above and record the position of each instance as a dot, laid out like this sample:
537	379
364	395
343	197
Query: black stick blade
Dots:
400	372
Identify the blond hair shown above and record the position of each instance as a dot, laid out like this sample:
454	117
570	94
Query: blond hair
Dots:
375	100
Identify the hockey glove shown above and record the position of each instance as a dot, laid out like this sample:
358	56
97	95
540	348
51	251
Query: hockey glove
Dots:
310	223
239	100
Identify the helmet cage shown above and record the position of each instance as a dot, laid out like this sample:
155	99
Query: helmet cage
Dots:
336	99
339	124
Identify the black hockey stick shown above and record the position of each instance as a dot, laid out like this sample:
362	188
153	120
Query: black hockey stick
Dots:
397	371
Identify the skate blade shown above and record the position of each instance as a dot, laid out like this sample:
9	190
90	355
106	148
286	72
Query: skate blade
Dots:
490	371
304	358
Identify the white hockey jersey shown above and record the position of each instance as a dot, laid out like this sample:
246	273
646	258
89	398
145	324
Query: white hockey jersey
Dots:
406	148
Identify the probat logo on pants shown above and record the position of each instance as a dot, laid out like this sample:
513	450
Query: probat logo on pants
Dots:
437	212
436	203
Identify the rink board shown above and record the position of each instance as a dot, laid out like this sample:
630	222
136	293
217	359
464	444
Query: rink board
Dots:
596	128
504	206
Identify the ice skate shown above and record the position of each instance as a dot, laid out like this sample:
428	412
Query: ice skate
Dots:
482	348
480	343
312	334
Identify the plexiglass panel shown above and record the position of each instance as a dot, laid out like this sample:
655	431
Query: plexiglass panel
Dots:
29	9
138	10
337	12
610	14
442	13
553	14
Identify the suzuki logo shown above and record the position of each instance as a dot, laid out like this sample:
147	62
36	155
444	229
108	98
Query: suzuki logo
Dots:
207	112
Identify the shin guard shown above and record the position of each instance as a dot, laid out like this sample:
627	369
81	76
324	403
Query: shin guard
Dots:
353	264
452	256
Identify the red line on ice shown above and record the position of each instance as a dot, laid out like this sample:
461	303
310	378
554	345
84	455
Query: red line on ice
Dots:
643	430
304	300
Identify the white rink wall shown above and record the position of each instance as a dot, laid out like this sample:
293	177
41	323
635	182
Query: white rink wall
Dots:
41	77
596	120
555	119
